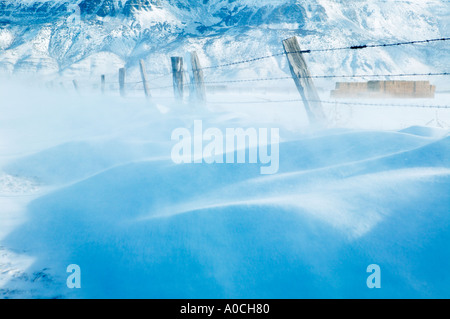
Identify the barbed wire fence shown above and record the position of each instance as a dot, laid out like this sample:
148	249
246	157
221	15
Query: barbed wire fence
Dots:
187	80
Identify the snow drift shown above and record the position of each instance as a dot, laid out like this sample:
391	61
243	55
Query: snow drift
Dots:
94	185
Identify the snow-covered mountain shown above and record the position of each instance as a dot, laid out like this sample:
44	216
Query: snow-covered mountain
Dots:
90	37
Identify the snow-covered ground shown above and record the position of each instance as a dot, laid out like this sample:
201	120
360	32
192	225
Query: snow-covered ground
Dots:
88	180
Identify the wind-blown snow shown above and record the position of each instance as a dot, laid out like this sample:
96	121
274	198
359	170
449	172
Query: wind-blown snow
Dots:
88	180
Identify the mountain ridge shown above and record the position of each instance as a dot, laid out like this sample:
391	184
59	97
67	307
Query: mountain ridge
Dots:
89	37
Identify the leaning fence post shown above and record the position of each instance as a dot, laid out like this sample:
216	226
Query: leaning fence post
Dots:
75	85
303	80
102	84
197	77
144	79
122	81
177	70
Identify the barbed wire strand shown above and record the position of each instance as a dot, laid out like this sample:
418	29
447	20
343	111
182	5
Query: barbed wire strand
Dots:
337	102
330	76
354	47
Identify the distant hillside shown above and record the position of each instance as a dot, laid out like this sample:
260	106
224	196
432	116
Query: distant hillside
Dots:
89	37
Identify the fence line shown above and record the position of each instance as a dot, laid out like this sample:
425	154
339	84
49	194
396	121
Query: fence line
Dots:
355	47
340	103
187	83
330	76
366	46
292	50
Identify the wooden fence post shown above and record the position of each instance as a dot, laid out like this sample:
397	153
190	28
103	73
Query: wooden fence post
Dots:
75	85
102	83
303	81
122	81
144	79
198	79
177	70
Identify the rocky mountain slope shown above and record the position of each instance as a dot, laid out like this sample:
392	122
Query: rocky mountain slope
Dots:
90	37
